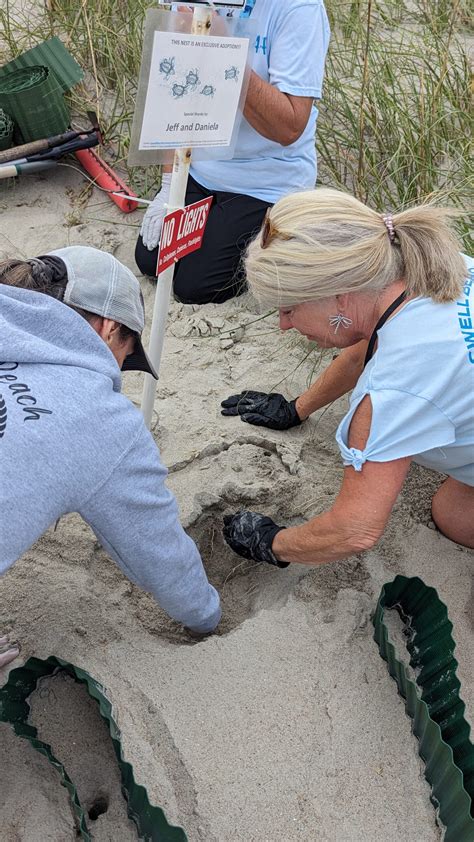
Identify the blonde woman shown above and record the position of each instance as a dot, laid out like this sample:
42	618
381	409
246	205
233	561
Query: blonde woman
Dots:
397	296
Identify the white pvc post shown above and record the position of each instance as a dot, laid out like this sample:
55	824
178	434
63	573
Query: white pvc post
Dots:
164	283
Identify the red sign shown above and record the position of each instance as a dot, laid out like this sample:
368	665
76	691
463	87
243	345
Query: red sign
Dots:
182	233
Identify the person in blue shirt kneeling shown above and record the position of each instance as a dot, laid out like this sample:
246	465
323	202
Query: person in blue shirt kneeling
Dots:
274	155
395	294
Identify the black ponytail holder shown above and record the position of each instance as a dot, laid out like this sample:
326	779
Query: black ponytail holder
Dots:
48	268
49	274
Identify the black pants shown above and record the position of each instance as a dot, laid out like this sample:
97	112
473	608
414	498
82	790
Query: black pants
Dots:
215	272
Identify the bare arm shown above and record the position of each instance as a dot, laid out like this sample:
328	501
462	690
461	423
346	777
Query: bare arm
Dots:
278	116
360	512
336	380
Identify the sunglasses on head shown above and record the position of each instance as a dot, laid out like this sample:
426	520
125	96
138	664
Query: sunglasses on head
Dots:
269	232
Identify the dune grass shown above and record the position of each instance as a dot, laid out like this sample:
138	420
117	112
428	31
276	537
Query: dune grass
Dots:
394	124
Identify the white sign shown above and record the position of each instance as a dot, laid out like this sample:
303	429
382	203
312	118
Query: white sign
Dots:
193	90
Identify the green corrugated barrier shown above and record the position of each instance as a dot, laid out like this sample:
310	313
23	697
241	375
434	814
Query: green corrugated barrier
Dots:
6	130
432	700
150	820
33	98
53	54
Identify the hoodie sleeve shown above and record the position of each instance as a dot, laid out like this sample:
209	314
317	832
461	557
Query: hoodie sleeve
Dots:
135	517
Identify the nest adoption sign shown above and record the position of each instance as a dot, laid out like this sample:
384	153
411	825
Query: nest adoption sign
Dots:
193	92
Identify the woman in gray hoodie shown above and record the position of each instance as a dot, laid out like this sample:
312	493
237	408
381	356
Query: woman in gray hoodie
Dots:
70	321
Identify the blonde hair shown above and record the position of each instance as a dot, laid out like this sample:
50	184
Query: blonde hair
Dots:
323	242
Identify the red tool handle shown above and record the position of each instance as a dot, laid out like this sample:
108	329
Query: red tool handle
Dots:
105	177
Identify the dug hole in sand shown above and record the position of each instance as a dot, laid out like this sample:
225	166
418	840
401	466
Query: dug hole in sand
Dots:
283	727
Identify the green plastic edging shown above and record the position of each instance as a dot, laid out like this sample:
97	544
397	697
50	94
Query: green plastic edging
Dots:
14	709
6	130
34	100
53	54
432	701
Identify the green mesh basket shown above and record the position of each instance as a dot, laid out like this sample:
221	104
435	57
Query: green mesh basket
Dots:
34	99
6	130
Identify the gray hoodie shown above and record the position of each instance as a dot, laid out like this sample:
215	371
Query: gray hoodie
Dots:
71	442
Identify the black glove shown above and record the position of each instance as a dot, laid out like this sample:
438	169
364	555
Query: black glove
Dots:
265	410
251	535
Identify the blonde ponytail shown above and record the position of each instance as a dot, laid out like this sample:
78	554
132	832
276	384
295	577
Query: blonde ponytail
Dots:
323	242
433	265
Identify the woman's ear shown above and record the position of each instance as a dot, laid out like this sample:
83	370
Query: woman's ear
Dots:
97	324
107	329
343	301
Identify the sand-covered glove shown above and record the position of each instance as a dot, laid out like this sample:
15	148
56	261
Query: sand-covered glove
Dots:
152	222
263	409
251	535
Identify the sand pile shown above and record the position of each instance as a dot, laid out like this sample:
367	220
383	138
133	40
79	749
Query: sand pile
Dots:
284	727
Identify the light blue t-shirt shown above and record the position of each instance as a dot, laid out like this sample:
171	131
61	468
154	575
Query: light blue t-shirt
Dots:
421	384
289	52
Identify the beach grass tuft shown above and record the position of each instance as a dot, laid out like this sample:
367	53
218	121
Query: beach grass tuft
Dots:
395	125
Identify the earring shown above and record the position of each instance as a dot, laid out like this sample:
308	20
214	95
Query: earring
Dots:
340	319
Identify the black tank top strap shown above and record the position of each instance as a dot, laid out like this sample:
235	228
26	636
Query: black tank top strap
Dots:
383	318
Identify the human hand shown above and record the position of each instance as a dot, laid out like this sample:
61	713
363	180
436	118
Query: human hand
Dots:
262	409
152	222
251	535
8	651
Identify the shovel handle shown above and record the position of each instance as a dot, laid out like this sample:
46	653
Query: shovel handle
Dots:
27	149
22	169
8	172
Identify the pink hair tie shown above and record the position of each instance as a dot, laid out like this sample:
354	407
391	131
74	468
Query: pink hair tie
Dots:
388	220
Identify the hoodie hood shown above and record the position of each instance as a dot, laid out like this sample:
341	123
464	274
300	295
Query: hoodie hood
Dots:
35	328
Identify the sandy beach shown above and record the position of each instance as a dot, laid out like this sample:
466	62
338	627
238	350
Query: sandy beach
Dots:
285	726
